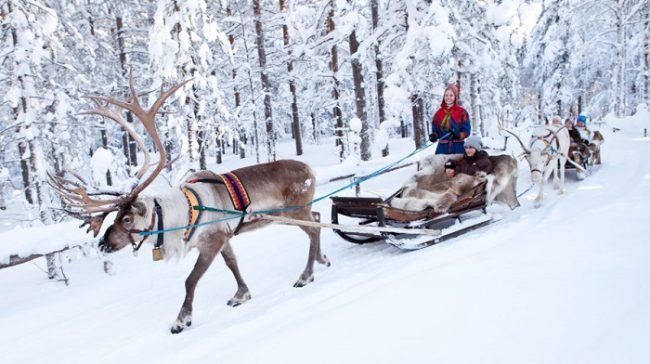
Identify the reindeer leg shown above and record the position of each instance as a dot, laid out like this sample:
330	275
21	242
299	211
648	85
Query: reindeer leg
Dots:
562	171
243	294
511	194
540	195
556	176
207	253
307	275
320	257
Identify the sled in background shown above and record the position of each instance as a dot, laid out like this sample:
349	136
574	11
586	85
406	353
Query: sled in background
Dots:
584	157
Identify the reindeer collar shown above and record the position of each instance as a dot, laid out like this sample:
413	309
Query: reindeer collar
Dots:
157	213
194	216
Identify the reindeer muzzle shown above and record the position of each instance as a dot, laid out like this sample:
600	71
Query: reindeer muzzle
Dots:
104	246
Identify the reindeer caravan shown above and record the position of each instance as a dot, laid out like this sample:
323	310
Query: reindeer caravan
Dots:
448	196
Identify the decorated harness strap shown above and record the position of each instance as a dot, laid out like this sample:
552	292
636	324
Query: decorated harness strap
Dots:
193	199
236	190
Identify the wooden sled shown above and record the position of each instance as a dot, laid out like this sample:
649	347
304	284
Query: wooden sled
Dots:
466	214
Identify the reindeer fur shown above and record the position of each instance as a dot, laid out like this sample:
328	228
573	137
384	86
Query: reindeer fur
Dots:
426	192
501	183
273	185
432	188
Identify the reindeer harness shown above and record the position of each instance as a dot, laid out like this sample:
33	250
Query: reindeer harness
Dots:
553	150
157	213
236	190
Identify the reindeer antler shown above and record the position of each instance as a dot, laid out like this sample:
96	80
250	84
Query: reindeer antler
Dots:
523	146
76	194
554	133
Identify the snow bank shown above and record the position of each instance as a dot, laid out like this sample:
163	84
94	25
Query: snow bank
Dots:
40	240
637	124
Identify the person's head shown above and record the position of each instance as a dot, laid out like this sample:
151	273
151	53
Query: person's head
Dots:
581	121
473	145
568	123
451	94
557	120
450	168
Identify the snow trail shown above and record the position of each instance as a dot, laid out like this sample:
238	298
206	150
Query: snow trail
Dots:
564	283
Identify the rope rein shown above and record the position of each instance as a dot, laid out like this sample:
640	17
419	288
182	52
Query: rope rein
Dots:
239	214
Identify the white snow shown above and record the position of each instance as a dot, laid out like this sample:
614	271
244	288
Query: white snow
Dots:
355	125
565	283
100	163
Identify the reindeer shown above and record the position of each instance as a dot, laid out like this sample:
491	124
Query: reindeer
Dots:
546	153
275	185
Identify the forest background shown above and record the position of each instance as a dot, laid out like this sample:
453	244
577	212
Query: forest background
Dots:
266	71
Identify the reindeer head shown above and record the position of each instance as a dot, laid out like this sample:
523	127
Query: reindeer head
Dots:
129	222
132	211
537	157
539	153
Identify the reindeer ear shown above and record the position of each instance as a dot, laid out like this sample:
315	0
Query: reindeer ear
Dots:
140	208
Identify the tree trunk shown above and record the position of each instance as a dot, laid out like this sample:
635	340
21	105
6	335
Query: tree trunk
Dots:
202	149
231	40
379	71
104	136
219	150
475	99
334	66
619	89
266	83
419	130
540	105
313	126
359	96
242	136
295	120
23	154
128	143
646	56
102	132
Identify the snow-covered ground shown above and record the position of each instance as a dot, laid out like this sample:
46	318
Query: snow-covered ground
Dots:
564	283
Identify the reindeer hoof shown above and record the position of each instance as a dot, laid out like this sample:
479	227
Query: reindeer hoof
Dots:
303	282
236	301
323	260
181	324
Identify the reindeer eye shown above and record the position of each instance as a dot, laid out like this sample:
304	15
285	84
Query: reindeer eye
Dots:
127	219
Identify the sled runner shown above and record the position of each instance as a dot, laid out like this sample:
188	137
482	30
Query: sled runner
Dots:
467	213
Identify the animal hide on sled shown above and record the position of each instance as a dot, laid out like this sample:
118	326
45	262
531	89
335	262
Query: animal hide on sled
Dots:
431	187
425	192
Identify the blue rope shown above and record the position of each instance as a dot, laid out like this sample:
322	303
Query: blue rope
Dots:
238	214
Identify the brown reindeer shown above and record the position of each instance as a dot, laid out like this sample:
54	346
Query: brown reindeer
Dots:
284	184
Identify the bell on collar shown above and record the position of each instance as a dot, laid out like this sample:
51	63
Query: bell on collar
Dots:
157	254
